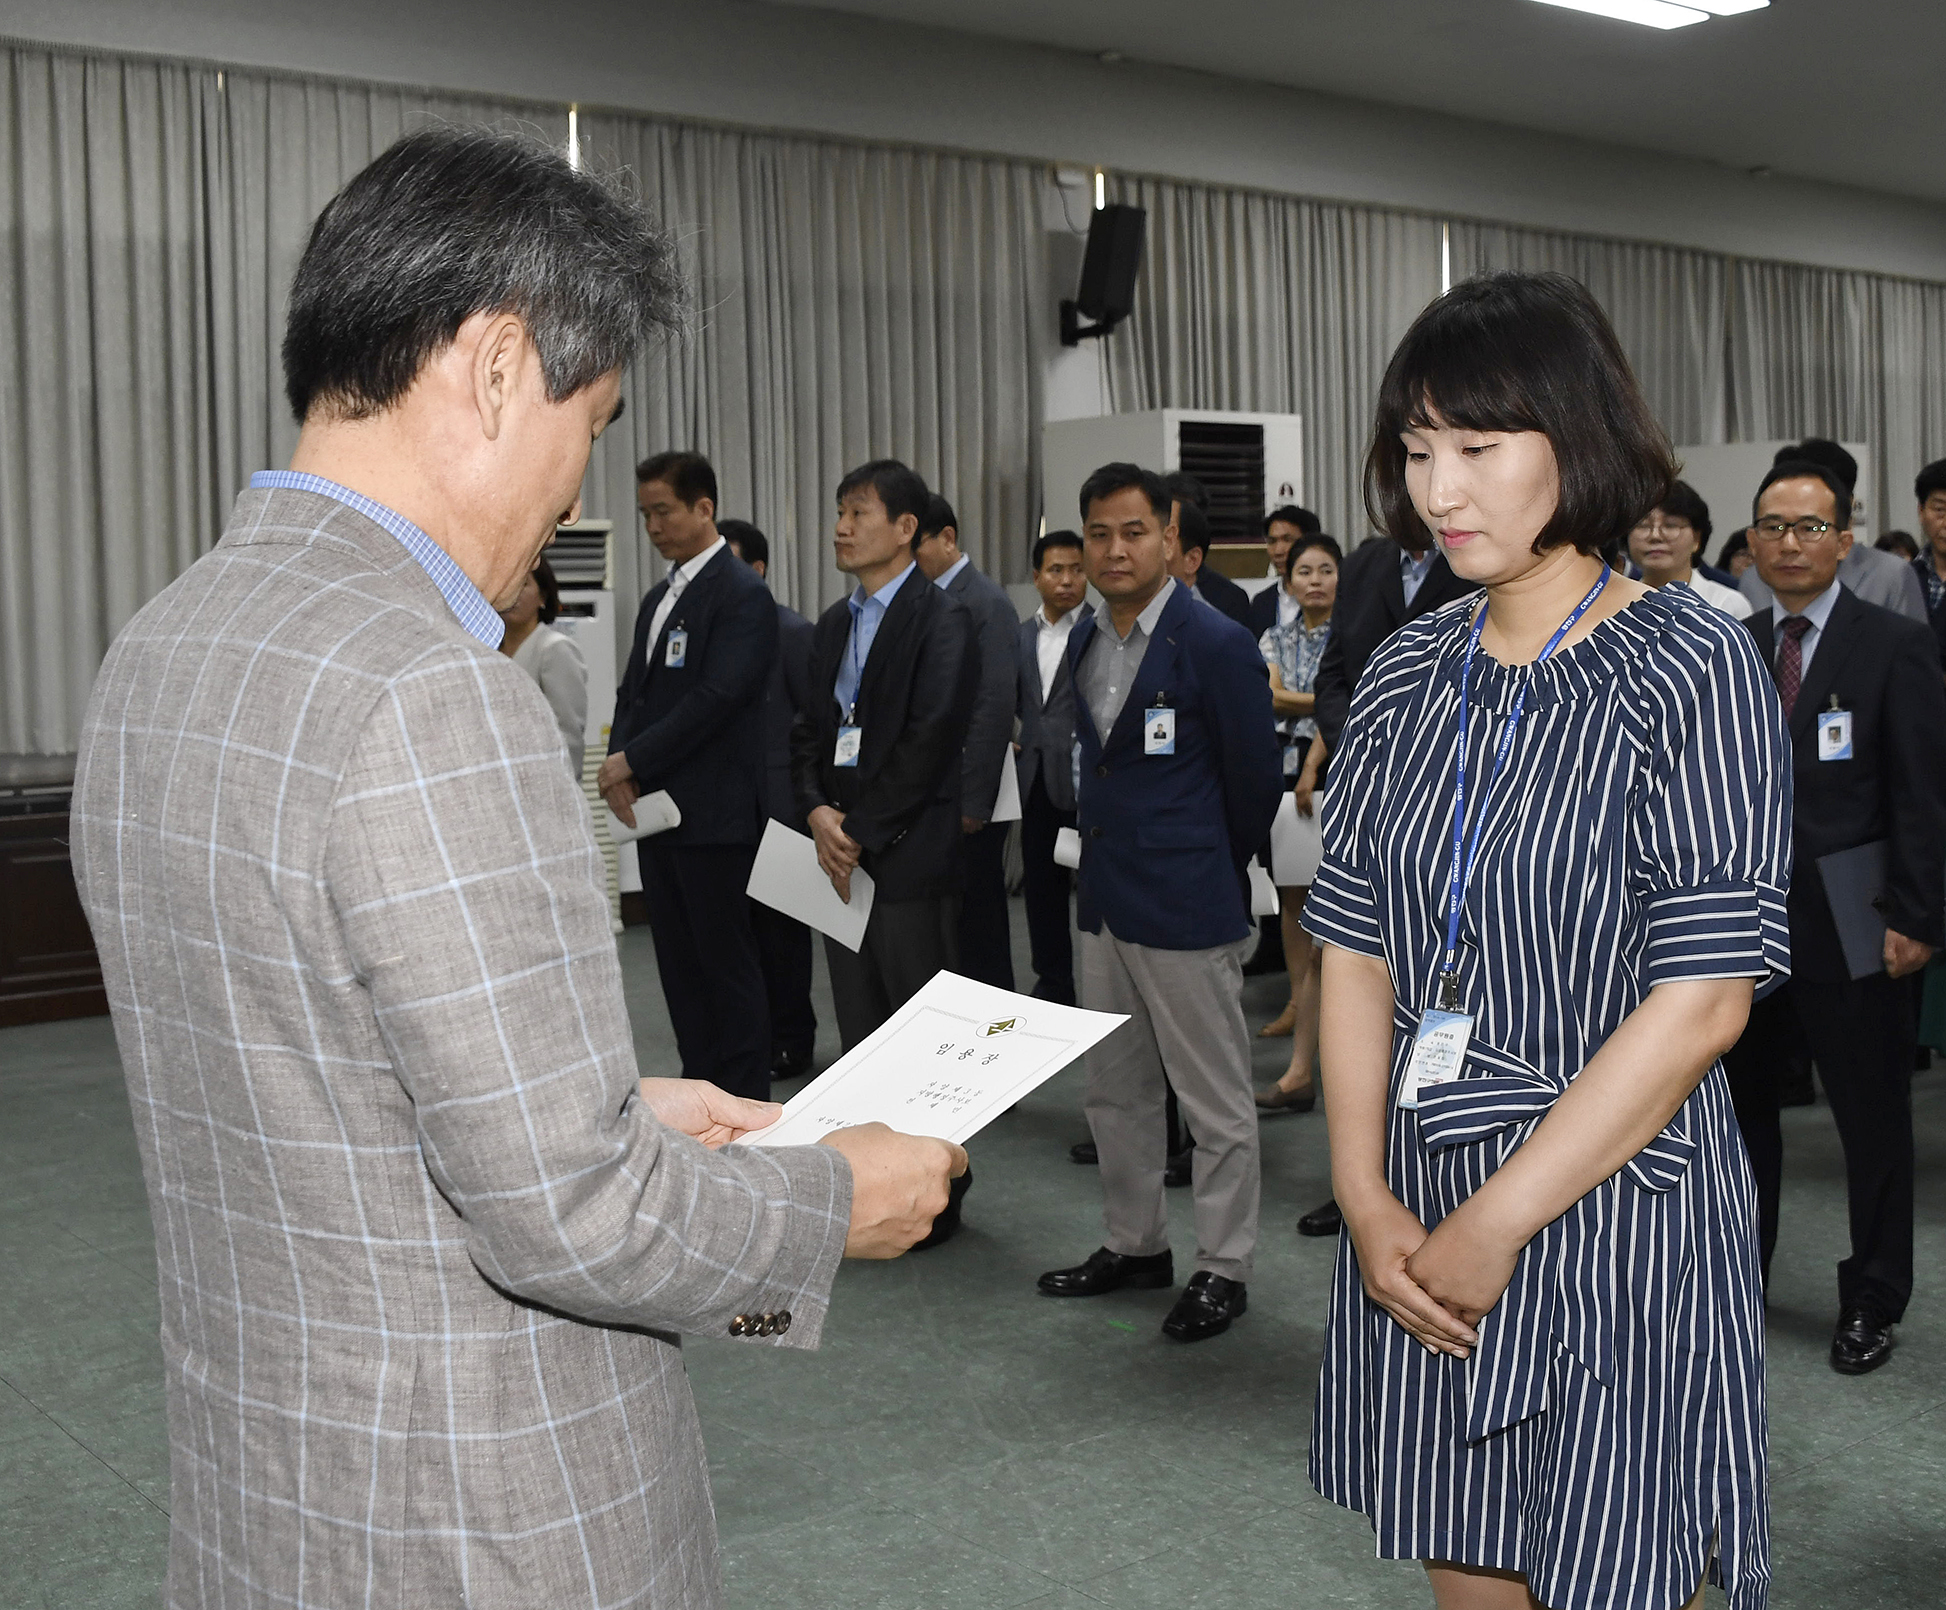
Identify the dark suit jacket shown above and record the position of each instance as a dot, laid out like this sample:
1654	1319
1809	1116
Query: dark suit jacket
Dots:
1222	594
1371	607
1047	732
1166	840
790	692
915	699
995	624
1263	608
698	729
1884	669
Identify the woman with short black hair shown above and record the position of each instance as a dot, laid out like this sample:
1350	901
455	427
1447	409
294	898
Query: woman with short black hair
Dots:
1556	847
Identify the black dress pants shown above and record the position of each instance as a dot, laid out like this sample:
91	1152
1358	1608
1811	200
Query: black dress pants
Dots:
1861	1033
1045	890
784	943
986	946
906	942
706	953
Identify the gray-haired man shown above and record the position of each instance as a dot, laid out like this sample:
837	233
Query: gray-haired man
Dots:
425	1242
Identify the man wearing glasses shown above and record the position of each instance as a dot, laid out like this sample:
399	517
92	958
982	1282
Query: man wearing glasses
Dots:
1863	701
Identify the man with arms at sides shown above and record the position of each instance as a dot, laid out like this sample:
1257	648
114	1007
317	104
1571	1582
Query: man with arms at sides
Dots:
1188	564
426	1241
876	757
1930	564
1180	777
783	943
689	719
1046	757
1275	606
1873	575
985	941
1381	585
1863	700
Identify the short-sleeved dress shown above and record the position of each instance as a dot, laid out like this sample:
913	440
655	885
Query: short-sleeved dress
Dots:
1608	1431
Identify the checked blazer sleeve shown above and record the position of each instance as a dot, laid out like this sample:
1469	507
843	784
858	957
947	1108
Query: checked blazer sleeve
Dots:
465	877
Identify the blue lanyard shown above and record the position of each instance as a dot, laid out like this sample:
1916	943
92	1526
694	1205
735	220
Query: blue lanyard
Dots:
1462	869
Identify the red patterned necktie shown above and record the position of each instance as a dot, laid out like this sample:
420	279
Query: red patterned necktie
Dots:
1790	661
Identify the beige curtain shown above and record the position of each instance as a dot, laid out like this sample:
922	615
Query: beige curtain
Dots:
1267	304
850	302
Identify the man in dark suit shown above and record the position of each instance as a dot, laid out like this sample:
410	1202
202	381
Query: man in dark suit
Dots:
1862	696
986	949
1190	567
689	719
1381	585
1282	527
876	755
1046	757
1180	777
783	942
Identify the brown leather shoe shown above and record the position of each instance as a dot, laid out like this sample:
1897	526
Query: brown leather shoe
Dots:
1281	1027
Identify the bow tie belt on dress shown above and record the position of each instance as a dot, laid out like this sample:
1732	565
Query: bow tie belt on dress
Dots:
1564	1291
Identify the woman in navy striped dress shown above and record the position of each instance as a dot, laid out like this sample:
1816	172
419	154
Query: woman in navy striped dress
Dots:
1544	1366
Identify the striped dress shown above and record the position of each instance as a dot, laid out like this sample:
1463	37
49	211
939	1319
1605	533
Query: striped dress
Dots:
1609	1429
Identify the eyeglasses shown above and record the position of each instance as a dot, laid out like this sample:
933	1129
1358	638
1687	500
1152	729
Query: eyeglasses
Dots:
1806	531
1668	528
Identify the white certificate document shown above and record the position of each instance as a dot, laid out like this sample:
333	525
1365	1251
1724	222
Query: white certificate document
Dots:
786	877
1006	804
947	1063
654	813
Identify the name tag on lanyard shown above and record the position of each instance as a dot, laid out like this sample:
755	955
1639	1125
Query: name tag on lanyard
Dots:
850	740
1159	731
1834	733
1438	1050
676	649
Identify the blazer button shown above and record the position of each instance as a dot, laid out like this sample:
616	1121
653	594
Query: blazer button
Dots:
783	1320
740	1326
1094	832
1101	771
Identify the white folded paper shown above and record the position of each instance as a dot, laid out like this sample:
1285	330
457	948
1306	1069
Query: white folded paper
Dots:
1067	848
787	878
1296	843
947	1063
1263	893
1006	804
654	813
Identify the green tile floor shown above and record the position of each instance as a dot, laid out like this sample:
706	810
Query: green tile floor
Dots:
959	1441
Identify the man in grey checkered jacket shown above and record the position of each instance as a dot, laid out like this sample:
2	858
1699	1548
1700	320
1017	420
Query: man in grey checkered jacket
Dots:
426	1243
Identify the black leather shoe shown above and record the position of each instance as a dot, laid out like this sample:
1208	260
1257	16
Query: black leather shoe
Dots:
1178	1169
1862	1342
1206	1307
1110	1271
790	1064
946	1226
1083	1152
1326	1220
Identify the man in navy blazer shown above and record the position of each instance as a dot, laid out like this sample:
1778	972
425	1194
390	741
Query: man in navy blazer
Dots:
1180	777
783	942
689	719
1045	708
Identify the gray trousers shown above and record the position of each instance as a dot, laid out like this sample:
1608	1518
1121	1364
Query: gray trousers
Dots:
906	942
1185	1010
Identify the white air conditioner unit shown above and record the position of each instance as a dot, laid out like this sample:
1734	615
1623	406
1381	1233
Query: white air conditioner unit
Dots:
1248	464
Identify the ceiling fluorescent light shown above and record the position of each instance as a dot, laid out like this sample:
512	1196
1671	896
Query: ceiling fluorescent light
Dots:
1727	8
1650	13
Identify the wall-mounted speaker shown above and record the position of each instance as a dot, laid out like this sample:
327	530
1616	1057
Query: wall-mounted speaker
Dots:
1107	291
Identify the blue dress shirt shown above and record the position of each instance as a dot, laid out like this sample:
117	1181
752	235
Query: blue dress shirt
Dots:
867	613
467	602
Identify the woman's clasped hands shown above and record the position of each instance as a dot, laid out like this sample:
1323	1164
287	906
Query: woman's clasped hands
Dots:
1437	1285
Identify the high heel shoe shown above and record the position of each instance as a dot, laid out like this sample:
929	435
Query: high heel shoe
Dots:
1281	1027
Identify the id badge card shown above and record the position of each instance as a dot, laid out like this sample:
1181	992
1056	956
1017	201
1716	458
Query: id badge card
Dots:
1834	735
1159	732
1438	1048
676	649
849	738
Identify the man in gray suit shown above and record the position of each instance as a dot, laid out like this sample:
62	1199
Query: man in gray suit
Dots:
985	941
426	1243
1045	705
